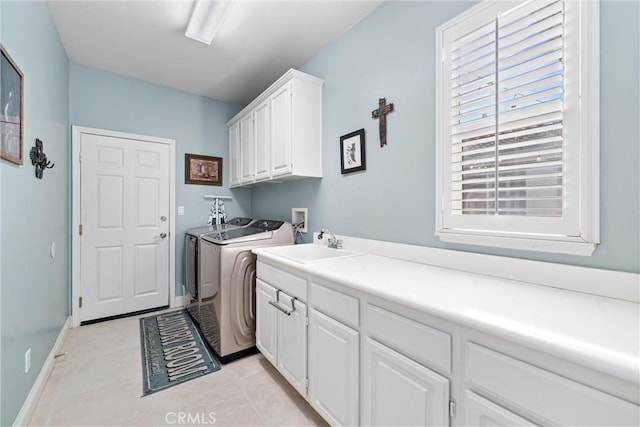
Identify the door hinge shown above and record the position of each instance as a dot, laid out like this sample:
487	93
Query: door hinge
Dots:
80	302
80	229
452	409
306	383
306	321
80	157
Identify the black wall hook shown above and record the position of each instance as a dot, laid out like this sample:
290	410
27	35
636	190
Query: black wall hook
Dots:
39	159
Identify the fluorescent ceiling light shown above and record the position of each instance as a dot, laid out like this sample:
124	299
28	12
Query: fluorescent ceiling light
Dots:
206	20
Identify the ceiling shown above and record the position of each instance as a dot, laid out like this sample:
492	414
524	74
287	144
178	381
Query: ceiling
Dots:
258	42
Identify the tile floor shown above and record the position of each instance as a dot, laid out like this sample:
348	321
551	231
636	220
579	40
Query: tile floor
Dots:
99	383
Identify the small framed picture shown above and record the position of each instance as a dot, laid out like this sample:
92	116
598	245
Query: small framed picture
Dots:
352	152
11	113
204	170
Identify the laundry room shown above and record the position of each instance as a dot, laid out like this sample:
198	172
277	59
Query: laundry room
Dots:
412	255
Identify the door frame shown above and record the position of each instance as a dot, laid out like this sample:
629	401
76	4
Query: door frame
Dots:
76	137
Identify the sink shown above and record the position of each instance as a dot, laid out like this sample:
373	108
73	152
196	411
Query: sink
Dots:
311	253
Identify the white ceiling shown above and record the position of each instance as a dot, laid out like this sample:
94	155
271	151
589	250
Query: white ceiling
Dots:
258	42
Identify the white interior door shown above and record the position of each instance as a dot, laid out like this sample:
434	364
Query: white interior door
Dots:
124	216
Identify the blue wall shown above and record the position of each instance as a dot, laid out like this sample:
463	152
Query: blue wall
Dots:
105	100
35	213
391	54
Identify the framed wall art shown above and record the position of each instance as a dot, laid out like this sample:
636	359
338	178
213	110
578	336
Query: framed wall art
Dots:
204	170
12	113
352	152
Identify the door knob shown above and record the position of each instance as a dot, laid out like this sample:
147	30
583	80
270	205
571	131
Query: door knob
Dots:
163	218
163	235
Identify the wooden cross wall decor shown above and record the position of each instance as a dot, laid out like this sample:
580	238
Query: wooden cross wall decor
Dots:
381	114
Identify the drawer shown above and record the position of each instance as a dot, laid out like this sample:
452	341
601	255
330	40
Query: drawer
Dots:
293	285
337	305
481	412
535	392
420	342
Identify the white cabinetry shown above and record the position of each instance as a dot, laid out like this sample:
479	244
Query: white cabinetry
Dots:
281	323
247	165
481	412
376	358
292	341
261	141
334	356
266	321
234	154
398	388
286	134
281	163
536	393
400	392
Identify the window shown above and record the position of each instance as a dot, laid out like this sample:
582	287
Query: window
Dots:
517	134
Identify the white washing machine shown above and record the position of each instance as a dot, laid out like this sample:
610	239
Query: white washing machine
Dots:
227	303
194	269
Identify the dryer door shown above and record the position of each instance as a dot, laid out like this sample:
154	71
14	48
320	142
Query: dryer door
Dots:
209	271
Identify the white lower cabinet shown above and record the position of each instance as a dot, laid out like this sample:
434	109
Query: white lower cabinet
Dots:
542	395
481	412
374	363
400	392
281	333
292	342
266	321
333	369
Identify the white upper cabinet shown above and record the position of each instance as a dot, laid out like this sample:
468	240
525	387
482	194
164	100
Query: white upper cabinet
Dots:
261	130
285	135
247	166
234	154
281	162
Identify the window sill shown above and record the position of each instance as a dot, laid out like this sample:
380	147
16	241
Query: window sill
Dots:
569	246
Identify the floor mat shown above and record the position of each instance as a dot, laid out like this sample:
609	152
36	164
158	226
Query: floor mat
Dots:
172	351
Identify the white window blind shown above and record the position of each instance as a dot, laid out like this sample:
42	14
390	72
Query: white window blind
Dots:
507	115
509	83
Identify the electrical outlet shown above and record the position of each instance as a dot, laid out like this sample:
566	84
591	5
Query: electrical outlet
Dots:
27	361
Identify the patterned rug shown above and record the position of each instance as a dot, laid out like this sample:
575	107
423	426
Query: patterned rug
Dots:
172	351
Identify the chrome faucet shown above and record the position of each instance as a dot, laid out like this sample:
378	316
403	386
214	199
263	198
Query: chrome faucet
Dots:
332	242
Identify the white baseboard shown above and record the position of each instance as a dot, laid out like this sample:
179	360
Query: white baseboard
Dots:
31	401
178	301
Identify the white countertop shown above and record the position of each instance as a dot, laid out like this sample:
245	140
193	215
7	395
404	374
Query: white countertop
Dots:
594	331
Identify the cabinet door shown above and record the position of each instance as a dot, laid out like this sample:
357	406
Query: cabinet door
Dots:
400	392
234	154
261	141
292	342
481	412
333	369
281	131
246	149
266	321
